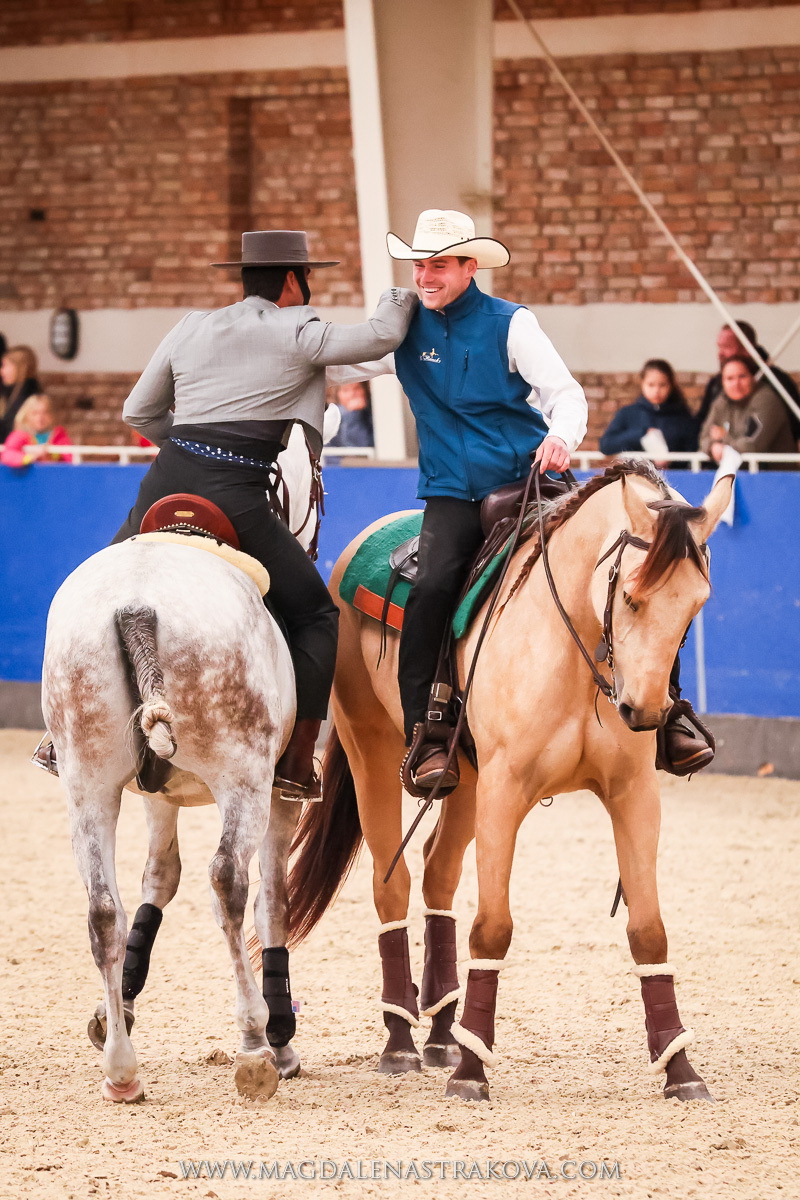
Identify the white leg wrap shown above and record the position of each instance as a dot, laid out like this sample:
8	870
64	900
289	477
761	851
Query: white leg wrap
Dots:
486	964
391	925
400	1012
438	912
440	1004
679	1043
472	1042
645	970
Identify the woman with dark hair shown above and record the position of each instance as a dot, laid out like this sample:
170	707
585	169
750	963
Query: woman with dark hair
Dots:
660	406
747	415
17	382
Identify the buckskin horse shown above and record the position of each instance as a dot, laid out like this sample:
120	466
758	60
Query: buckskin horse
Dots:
628	561
214	700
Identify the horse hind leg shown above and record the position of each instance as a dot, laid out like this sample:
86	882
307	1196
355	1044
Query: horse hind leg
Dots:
271	920
159	884
93	816
635	816
244	807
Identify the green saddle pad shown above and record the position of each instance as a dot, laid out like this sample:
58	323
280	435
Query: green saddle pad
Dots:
366	579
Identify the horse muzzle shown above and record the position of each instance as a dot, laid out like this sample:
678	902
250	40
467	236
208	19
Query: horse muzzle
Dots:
642	720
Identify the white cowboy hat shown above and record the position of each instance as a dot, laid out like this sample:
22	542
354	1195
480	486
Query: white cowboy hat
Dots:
443	232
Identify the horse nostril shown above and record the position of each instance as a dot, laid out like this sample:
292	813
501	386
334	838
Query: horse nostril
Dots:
626	712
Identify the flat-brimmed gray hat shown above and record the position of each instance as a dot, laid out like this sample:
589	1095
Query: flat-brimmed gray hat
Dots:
275	248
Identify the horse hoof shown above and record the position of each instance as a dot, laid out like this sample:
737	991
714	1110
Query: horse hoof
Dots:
256	1076
399	1062
468	1089
98	1026
126	1093
287	1060
441	1056
693	1089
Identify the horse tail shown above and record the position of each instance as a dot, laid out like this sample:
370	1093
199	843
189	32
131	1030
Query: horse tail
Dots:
327	840
137	629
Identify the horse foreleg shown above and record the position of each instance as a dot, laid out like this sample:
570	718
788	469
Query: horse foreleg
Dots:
271	920
636	818
441	991
94	809
500	811
245	813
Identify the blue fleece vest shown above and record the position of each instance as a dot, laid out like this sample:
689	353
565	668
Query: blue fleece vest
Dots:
475	427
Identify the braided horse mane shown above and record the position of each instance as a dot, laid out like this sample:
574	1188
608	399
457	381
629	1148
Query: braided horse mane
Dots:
672	541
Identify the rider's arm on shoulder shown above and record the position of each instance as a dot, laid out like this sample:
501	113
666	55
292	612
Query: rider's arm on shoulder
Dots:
360	372
326	344
147	408
557	394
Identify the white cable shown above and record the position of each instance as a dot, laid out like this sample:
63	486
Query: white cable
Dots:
644	199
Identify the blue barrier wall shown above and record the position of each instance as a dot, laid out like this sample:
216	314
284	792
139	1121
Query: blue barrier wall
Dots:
52	517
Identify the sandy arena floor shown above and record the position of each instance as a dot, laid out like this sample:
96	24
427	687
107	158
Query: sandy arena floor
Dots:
571	1084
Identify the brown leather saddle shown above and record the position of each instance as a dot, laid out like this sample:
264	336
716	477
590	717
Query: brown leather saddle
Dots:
184	513
499	511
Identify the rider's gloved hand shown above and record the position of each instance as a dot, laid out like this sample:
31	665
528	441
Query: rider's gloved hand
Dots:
552	455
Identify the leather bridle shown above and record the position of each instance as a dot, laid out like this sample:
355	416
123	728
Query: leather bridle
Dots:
605	647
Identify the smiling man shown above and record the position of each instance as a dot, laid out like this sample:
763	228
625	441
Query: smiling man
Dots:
488	390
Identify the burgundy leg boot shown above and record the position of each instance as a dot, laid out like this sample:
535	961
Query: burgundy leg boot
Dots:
398	1001
440	988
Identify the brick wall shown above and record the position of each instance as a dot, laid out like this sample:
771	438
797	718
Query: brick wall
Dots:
144	182
89	404
43	22
713	138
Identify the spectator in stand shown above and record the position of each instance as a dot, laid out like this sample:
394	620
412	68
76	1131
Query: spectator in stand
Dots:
3	345
34	432
17	382
353	401
661	406
728	345
747	415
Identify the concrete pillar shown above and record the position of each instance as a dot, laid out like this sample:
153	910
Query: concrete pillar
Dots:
421	108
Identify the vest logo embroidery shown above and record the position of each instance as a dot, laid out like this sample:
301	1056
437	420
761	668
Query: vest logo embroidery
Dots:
429	356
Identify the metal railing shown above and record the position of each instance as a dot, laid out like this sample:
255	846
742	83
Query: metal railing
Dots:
582	460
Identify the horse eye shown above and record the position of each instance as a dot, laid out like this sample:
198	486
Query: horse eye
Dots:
633	607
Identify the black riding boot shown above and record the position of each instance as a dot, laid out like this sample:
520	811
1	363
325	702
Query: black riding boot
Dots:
295	776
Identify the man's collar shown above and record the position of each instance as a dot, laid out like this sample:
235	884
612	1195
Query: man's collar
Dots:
259	302
465	303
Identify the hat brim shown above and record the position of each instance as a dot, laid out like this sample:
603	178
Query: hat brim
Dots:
487	252
277	264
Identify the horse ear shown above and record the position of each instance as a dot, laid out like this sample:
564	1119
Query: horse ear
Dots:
715	504
639	513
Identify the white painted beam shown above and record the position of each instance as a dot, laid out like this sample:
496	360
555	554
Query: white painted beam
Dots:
173	56
373	206
653	33
648	33
602	338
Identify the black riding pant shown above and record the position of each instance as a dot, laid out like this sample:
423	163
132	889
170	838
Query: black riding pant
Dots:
296	588
450	538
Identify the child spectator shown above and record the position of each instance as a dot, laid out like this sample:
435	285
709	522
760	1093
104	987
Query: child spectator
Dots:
661	406
353	402
748	416
17	382
34	432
